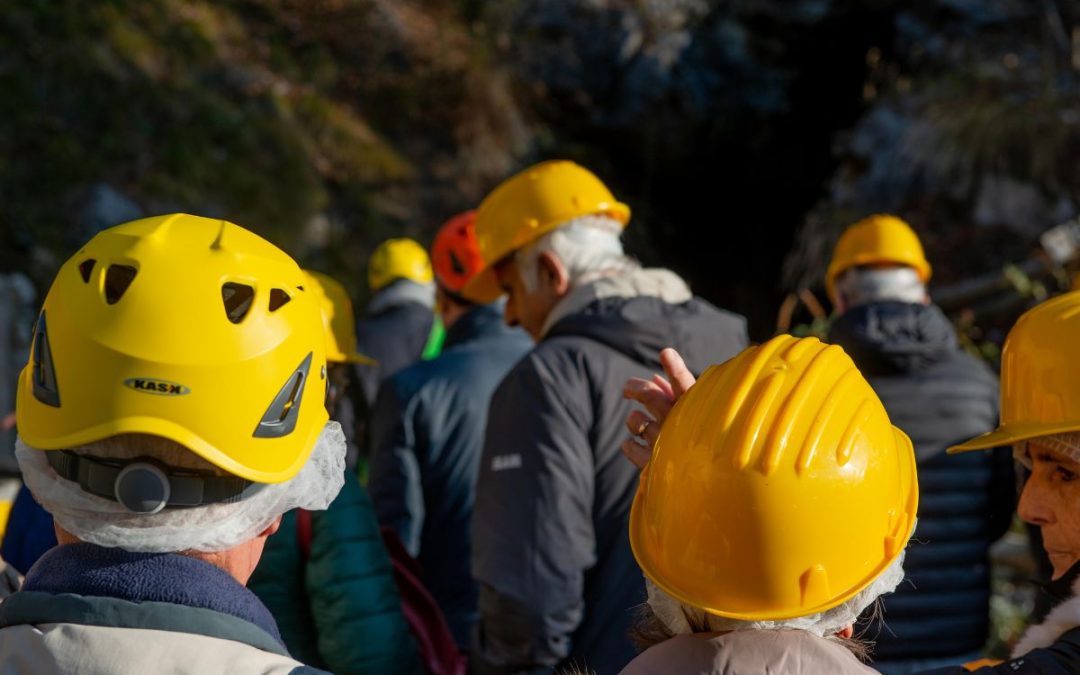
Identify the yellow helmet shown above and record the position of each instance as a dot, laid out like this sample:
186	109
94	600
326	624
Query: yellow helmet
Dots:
878	239
777	487
1040	376
530	204
183	327
337	315
398	259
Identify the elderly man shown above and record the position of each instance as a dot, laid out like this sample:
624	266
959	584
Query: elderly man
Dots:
938	394
171	412
558	582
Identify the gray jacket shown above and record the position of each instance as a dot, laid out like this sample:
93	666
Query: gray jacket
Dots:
558	582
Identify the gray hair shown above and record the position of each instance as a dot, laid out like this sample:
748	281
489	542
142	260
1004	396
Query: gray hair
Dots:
862	286
132	446
588	247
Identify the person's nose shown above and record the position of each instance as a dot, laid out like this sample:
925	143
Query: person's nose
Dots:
1032	507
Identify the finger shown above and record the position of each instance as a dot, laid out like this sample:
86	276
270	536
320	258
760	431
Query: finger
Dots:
661	382
638	454
678	374
636	422
648	394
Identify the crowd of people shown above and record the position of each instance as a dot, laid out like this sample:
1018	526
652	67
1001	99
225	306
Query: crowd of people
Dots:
529	455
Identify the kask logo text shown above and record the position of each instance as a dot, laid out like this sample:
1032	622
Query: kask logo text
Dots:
149	385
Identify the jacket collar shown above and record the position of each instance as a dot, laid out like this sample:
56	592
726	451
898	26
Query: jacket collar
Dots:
95	571
478	322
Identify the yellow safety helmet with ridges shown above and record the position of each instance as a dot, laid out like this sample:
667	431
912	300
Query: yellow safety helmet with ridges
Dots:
1040	376
188	328
777	487
530	204
338	321
398	259
879	239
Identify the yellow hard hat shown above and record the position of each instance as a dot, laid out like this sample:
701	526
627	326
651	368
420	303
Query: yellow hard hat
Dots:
398	259
777	487
183	327
875	240
530	204
1040	376
337	315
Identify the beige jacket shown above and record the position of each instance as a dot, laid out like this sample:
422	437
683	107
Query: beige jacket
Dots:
748	652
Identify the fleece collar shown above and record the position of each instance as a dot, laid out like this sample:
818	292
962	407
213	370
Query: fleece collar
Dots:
1059	621
95	571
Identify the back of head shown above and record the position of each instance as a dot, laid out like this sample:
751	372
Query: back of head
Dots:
175	334
878	242
530	204
398	259
778	494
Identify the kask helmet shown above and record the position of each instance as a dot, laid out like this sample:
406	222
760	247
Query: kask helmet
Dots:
188	328
876	240
398	259
339	324
455	255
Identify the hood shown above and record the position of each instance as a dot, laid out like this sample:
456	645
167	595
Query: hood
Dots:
643	311
401	292
887	338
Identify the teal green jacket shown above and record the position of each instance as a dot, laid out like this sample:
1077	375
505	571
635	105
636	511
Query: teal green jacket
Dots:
339	610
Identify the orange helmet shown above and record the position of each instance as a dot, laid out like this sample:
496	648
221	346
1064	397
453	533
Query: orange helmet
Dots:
455	254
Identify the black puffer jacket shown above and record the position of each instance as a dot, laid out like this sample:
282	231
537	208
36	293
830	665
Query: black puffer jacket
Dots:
551	553
939	395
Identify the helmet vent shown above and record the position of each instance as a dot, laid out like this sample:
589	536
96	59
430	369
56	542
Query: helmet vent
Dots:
237	299
44	372
280	418
278	299
117	280
85	268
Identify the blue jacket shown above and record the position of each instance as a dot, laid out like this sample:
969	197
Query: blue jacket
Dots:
427	434
29	532
939	395
340	608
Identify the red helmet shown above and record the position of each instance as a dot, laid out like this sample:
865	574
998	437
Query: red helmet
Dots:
455	254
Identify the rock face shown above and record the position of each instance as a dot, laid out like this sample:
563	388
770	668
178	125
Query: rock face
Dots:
740	133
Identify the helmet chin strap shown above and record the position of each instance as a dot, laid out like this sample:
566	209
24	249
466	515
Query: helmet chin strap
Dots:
145	485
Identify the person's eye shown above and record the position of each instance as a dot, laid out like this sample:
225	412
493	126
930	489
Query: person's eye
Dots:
1065	475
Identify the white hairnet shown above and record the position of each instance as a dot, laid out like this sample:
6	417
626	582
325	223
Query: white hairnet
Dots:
860	286
1068	444
214	527
677	616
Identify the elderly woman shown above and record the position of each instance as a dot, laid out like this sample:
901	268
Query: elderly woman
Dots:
716	628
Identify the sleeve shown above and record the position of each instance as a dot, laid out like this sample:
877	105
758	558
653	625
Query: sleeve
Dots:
533	538
1060	658
354	600
394	480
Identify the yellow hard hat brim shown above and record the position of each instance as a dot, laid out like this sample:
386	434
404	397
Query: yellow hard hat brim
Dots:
484	287
361	360
1011	434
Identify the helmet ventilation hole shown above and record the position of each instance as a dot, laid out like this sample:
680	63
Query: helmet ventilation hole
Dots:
85	268
278	299
117	280
237	299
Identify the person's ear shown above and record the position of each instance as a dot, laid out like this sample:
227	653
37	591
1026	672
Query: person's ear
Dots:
271	528
553	274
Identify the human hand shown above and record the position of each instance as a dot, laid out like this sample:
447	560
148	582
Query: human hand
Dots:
7	422
658	395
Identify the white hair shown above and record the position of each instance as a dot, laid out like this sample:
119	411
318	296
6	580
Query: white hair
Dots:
588	247
211	527
679	618
862	286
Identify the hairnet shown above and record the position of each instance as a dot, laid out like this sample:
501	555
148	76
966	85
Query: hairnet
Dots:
1067	444
214	527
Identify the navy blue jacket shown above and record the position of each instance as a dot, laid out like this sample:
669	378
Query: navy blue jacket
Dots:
939	395
427	433
29	532
551	550
394	332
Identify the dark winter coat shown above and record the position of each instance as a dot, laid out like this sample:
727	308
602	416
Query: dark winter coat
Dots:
558	581
427	433
394	332
939	395
339	609
29	533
